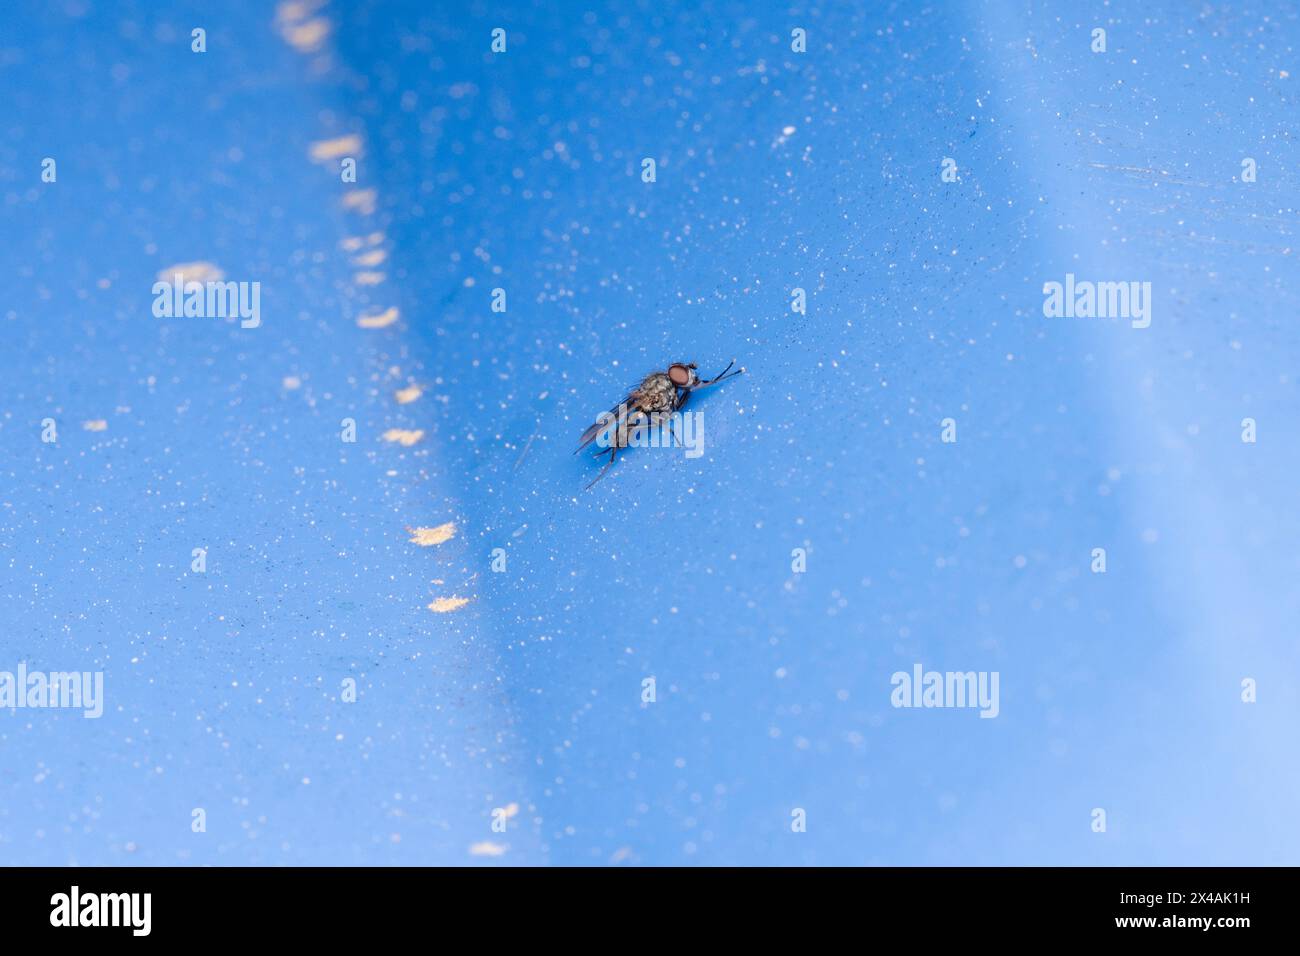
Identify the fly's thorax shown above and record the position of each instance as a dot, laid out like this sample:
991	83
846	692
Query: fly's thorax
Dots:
657	393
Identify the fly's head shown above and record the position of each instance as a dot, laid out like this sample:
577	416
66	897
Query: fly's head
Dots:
683	375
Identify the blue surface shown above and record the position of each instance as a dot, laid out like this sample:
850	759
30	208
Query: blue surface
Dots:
776	170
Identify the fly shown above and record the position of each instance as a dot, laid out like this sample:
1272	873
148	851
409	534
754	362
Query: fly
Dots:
659	395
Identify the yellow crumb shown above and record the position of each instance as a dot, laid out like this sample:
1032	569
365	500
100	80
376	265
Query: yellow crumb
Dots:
425	537
443	605
380	320
308	37
192	272
360	200
403	436
372	258
324	150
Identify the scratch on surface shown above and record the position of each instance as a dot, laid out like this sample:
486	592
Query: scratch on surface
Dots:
403	436
1115	167
523	454
425	537
1164	174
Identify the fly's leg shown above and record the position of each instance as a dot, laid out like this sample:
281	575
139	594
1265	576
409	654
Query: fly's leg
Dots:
613	453
660	419
639	429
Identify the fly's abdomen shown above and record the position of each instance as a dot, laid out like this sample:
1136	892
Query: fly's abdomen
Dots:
627	430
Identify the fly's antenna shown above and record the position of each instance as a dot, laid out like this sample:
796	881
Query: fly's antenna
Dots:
726	373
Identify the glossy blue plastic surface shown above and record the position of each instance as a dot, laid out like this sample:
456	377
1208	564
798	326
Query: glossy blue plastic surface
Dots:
522	689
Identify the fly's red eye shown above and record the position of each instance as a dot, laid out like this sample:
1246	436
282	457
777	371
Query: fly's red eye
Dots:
679	374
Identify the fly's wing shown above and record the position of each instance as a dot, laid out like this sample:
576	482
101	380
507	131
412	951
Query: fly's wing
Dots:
619	412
